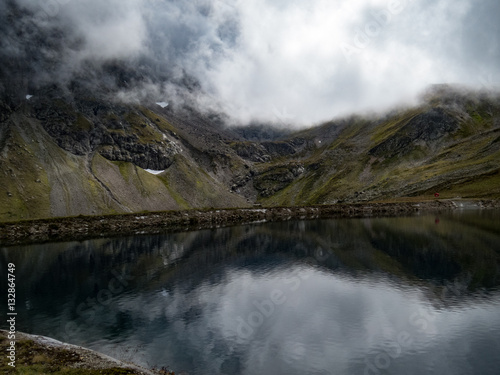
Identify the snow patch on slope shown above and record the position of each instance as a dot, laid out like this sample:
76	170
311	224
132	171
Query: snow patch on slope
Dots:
152	171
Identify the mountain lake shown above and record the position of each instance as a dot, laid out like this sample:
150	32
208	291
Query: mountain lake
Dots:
403	295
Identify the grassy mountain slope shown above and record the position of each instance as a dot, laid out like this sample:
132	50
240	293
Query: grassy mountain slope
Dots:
41	179
63	157
437	147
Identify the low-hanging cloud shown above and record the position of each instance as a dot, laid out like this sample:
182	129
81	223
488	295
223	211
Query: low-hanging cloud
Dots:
273	60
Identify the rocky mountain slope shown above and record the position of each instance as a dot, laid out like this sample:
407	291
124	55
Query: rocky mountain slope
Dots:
69	155
449	144
71	143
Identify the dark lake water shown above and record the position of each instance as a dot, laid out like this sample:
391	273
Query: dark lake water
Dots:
414	295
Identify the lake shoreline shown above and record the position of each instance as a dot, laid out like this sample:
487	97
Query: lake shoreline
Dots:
80	228
35	352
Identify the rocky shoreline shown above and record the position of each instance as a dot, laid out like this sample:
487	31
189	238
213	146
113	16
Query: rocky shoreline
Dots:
86	227
35	353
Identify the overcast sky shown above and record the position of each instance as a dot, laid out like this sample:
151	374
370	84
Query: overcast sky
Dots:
298	61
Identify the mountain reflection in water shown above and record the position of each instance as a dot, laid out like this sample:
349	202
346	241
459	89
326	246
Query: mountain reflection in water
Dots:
406	295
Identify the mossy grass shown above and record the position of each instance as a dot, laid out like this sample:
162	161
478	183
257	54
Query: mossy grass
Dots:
82	123
34	358
25	191
391	126
158	120
141	127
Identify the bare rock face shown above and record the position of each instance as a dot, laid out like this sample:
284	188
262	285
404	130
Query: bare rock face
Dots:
251	151
5	111
265	151
423	129
277	149
145	156
276	178
84	127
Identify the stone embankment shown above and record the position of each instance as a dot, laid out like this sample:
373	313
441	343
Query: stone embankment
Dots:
84	227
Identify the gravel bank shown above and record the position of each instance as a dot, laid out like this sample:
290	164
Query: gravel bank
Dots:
85	227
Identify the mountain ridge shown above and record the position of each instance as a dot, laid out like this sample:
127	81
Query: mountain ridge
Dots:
88	156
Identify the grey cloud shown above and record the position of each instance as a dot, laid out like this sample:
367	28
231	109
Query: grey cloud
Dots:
254	57
480	37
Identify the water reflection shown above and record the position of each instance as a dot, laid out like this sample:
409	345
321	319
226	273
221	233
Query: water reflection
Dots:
363	296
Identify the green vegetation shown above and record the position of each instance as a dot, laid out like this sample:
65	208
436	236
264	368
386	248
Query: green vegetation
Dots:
346	137
25	189
392	125
191	186
456	164
140	127
183	204
82	124
485	186
125	169
158	120
33	358
349	160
